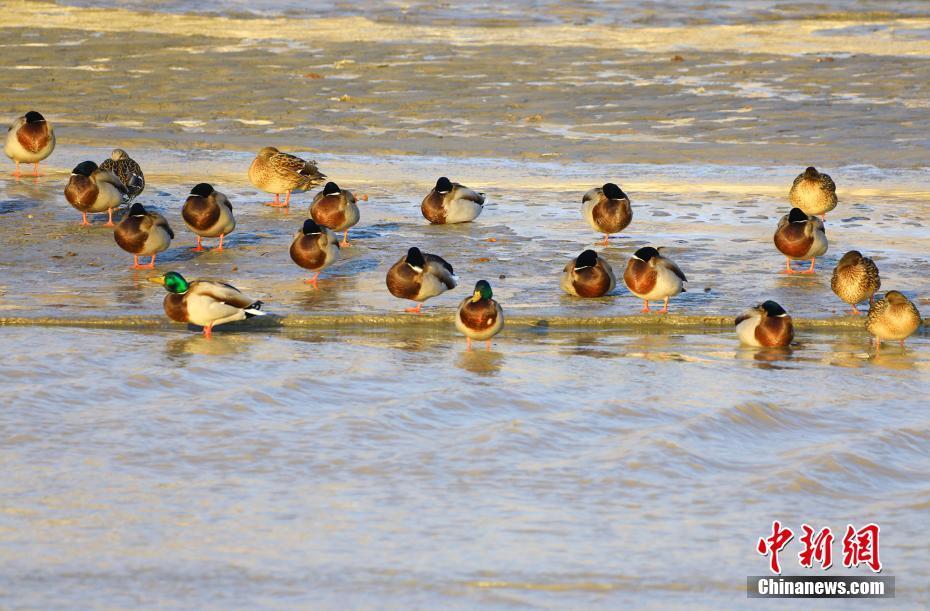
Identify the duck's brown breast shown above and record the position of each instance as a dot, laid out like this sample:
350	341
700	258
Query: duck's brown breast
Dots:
639	276
402	281
306	252
176	307
129	234
433	208
328	212
81	192
34	136
200	212
775	331
478	315
791	240
611	215
591	282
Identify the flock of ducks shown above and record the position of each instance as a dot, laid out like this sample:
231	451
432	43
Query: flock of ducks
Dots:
419	276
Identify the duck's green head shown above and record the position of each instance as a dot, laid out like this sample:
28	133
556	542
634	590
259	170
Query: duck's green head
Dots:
482	291
173	282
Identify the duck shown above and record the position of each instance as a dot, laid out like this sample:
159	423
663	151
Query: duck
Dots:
813	192
765	326
128	171
30	139
419	276
588	276
143	233
335	209
275	172
91	189
607	209
894	317
450	202
314	248
800	237
855	279
208	213
479	317
650	276
205	303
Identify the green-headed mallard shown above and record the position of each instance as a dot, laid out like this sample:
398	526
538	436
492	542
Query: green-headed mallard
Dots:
607	209
128	171
142	233
275	172
893	317
314	248
651	277
813	192
450	202
479	317
208	213
30	139
335	209
91	189
418	276
800	237
205	303
855	279
765	326
588	276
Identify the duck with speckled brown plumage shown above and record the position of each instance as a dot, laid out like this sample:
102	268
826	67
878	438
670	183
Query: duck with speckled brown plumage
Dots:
814	193
419	276
142	233
335	209
650	276
894	317
208	213
275	172
855	279
479	317
607	209
588	276
765	326
800	238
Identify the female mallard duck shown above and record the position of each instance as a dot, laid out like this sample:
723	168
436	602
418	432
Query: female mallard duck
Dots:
30	139
143	233
607	210
650	276
275	172
335	209
588	276
209	214
128	171
479	317
91	189
450	202
314	248
205	303
814	193
855	279
894	317
800	237
419	276
765	326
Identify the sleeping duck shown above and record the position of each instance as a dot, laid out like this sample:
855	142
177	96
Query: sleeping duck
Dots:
142	234
450	202
205	303
765	326
650	276
813	192
127	170
30	139
91	189
894	317
479	317
800	237
588	276
418	276
855	279
208	213
607	209
314	248
275	172
336	209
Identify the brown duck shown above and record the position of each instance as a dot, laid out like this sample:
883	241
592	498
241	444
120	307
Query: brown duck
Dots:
855	279
607	209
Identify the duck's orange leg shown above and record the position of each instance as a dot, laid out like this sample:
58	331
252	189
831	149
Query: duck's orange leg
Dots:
415	310
645	306
151	264
345	239
855	310
488	345
220	247
199	245
606	240
276	203
664	310
878	345
16	172
788	269
208	331
467	344
35	170
109	222
84	222
810	270
313	281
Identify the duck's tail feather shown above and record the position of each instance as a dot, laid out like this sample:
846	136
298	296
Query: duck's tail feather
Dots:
255	310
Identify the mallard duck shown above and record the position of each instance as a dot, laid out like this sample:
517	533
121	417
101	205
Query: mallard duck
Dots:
418	276
314	248
588	276
205	303
335	209
855	279
814	193
91	189
650	276
450	202
128	171
765	326
208	213
607	210
479	317
30	139
800	237
142	233
275	172
894	317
